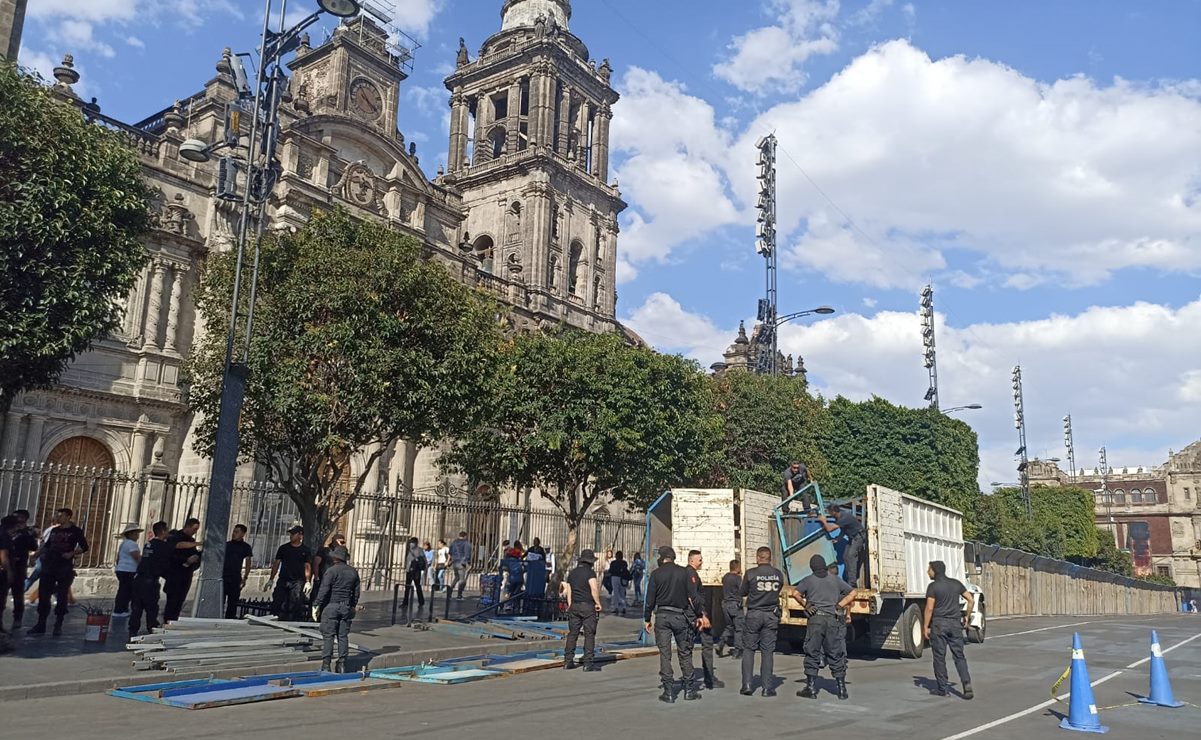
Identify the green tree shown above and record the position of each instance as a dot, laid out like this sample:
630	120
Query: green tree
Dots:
918	451
1059	526
579	415
73	206
1109	557
768	421
358	340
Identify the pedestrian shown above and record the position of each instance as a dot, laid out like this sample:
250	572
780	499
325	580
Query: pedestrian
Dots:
322	562
414	570
637	571
441	563
128	555
761	590
63	543
428	549
236	569
147	584
513	566
731	609
619	577
583	611
185	559
337	604
294	566
460	562
796	477
24	544
8	525
825	597
943	626
851	530
604	570
699	621
669	597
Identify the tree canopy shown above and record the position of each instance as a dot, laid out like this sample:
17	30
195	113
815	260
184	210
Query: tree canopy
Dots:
358	342
768	421
73	208
1060	524
580	415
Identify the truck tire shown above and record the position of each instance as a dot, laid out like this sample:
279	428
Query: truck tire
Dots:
976	634
910	629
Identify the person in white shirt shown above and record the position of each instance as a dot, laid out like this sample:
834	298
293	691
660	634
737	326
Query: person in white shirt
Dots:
128	555
441	563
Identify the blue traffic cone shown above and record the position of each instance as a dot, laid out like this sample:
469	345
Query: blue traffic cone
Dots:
1161	687
1082	711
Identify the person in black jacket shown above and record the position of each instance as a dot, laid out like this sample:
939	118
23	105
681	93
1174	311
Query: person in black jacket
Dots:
943	625
731	607
761	589
702	627
62	545
147	585
619	577
24	543
583	611
669	596
337	604
185	559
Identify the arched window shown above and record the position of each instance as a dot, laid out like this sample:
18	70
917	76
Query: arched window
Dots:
80	478
485	252
553	273
1119	496
497	139
573	268
1136	496
596	294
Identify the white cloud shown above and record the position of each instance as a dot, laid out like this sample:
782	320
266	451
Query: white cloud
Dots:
869	302
872	11
415	16
1109	367
773	56
428	101
77	34
135	42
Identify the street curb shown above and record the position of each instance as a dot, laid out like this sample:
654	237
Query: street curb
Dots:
388	660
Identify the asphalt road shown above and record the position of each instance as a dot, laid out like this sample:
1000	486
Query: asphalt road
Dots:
1012	675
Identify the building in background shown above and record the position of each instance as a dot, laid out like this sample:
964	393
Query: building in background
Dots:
1154	513
12	23
524	211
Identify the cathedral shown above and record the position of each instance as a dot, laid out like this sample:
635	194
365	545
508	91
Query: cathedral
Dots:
523	210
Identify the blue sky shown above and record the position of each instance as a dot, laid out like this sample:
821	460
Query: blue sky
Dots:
1039	163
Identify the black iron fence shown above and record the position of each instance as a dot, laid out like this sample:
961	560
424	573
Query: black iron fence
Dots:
377	527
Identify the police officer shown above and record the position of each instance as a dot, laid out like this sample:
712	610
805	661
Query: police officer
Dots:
824	596
943	626
699	622
669	596
583	611
761	589
796	477
337	603
293	564
852	530
731	607
147	586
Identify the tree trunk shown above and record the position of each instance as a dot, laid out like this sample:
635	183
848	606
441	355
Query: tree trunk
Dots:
569	551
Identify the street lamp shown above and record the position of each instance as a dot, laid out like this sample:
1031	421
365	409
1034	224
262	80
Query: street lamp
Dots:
261	168
820	310
969	407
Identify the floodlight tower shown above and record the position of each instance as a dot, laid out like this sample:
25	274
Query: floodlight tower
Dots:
1070	444
1019	421
765	244
930	361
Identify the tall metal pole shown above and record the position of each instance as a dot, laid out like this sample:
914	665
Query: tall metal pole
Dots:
1113	529
931	360
1019	421
1070	443
765	244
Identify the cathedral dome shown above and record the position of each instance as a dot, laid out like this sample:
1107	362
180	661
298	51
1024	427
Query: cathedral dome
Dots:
519	13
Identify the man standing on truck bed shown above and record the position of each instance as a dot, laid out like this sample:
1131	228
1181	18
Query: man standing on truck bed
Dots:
669	595
796	477
731	607
855	535
698	619
824	595
761	589
943	626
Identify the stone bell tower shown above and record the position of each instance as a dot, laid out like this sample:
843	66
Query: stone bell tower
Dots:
529	151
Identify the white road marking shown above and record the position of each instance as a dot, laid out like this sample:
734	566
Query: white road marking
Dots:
1041	629
1045	704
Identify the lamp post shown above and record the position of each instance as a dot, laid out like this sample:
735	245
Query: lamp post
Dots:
969	407
765	244
1019	422
929	355
769	365
260	167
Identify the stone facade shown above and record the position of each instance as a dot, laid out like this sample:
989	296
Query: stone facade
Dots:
1155	513
745	352
12	22
535	225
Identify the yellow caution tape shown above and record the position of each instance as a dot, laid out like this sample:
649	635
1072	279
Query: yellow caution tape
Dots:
1064	677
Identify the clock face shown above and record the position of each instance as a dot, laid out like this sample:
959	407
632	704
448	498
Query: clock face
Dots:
365	99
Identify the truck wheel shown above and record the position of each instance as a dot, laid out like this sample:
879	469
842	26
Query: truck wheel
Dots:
910	628
976	634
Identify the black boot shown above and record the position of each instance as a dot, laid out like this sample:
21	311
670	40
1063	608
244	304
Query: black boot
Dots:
721	650
340	666
591	668
809	692
570	664
967	692
746	691
39	628
842	689
325	665
711	681
58	627
668	696
690	692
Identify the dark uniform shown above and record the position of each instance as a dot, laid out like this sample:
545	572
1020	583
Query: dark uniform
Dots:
704	635
287	600
58	573
799	479
669	595
855	553
731	607
24	542
156	559
179	575
946	627
336	602
236	552
826	631
761	588
582	616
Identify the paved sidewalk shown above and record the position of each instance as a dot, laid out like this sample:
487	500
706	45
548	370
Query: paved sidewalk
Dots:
48	666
